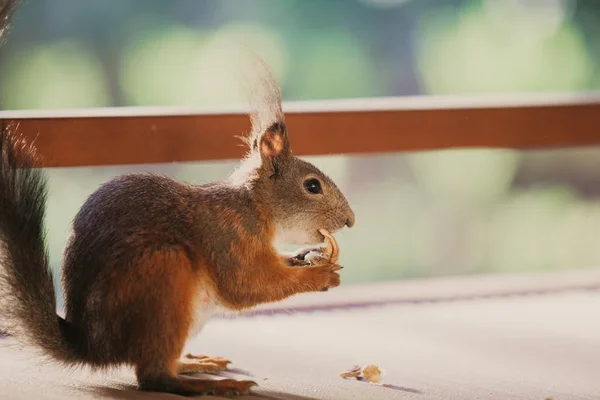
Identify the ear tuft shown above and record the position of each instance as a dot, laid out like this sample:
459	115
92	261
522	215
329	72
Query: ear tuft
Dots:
264	97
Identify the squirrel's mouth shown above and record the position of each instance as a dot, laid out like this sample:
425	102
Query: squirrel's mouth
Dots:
338	227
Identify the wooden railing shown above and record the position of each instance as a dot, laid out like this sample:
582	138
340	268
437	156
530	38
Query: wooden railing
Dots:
139	135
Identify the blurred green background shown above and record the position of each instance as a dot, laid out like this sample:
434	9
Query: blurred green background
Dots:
419	214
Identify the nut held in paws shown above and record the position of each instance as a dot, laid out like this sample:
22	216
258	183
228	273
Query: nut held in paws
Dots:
332	251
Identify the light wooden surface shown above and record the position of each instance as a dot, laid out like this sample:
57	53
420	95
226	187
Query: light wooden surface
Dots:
505	337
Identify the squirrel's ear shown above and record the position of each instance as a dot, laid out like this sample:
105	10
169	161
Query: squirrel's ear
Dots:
274	148
273	143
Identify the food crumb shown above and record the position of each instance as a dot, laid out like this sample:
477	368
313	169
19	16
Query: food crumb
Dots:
371	373
352	373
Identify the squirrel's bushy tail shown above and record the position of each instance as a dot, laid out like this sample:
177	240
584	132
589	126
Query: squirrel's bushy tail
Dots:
7	8
27	295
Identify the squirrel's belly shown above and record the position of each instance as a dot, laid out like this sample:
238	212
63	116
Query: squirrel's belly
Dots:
205	306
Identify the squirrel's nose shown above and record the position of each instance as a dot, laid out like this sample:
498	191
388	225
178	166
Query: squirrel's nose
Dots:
350	219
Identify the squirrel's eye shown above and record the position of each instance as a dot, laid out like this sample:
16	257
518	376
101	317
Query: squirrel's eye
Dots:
313	186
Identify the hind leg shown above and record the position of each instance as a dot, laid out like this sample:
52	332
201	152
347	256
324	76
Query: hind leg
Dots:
166	285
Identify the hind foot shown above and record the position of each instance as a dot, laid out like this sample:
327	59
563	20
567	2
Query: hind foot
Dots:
193	387
201	363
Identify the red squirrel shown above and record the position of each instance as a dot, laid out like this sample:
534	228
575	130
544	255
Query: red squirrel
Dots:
150	259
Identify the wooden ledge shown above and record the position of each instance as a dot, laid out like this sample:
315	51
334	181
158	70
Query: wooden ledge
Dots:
142	135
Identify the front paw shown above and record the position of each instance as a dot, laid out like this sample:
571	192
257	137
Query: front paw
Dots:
304	257
323	277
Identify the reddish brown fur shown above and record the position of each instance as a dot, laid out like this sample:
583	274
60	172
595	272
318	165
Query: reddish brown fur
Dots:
166	283
273	281
260	274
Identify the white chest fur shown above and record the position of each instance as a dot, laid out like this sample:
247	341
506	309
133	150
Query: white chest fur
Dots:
205	306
